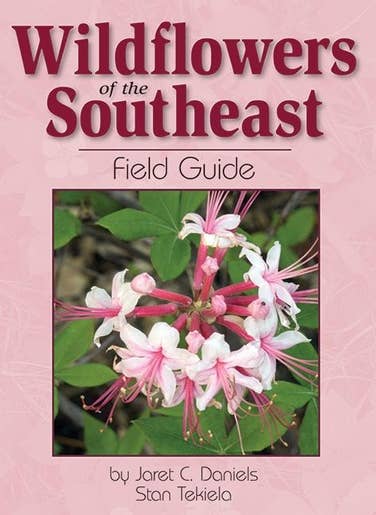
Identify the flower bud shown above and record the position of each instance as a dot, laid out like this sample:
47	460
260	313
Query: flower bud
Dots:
143	283
218	305
210	266
259	309
194	341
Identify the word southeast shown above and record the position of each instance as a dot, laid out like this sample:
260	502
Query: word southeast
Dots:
189	168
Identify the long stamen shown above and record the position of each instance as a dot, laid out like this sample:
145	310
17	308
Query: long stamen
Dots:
68	312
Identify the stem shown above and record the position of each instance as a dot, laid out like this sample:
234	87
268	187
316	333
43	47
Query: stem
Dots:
171	296
235	328
180	322
206	330
198	274
233	289
152	311
233	309
242	300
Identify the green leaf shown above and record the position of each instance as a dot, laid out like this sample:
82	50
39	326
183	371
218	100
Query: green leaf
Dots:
308	316
190	201
56	401
255	436
165	436
132	224
297	227
163	204
99	439
66	227
175	411
170	256
291	394
237	269
90	374
303	351
258	238
288	257
309	431
72	342
132	442
101	202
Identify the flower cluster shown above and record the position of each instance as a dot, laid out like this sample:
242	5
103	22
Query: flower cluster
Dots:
189	361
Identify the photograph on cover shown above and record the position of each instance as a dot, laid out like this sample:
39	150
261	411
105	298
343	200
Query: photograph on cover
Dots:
186	322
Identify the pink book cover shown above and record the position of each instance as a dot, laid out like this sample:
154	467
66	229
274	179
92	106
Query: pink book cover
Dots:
187	203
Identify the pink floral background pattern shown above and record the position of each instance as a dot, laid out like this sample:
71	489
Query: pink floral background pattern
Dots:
341	164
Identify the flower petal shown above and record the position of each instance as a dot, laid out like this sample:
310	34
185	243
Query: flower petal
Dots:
215	347
98	298
226	223
234	403
248	357
211	390
135	366
135	340
267	370
104	329
195	218
288	339
252	327
200	371
248	381
262	328
167	383
273	256
180	358
190	228
128	298
254	259
117	282
162	335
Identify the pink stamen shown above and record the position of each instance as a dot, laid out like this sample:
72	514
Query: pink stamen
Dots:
70	312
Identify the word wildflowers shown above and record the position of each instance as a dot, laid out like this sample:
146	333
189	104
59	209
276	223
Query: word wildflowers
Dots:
222	346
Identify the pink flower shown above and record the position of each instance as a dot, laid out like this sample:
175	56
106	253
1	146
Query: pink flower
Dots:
218	371
272	347
187	392
216	231
271	283
152	360
100	304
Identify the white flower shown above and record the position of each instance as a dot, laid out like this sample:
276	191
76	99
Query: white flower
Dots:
271	286
269	345
218	370
122	301
153	359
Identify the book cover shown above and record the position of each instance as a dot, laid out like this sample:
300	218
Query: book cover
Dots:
187	207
